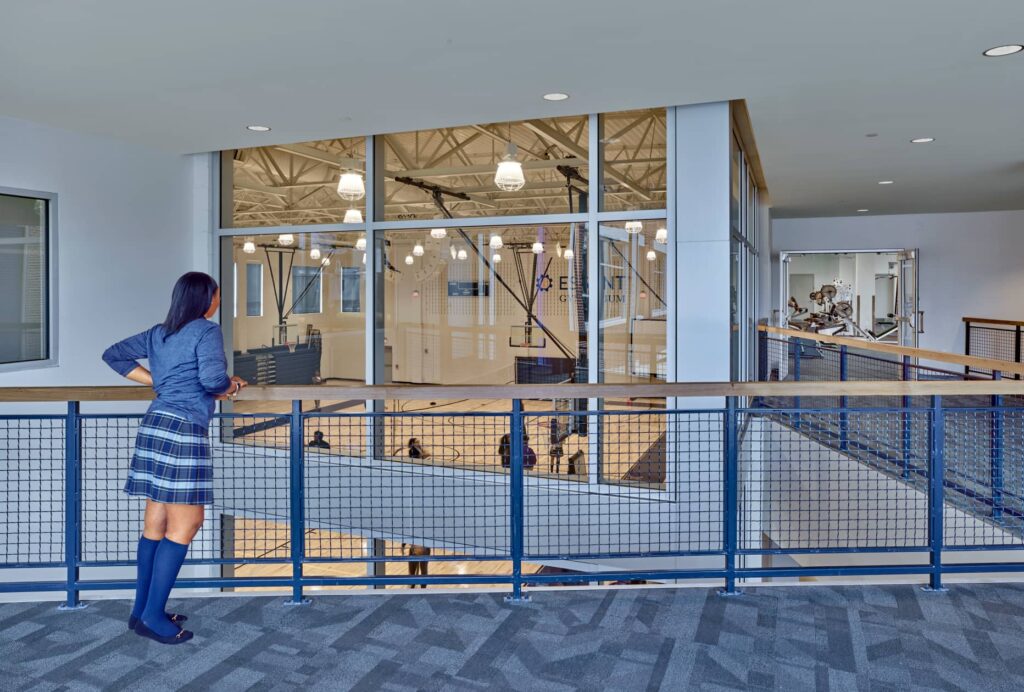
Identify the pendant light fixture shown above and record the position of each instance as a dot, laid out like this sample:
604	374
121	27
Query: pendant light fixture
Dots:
438	233
462	254
350	186
558	249
285	239
452	252
408	259
509	176
249	247
353	216
361	243
634	227
661	236
417	250
314	253
326	262
651	255
496	242
496	258
538	248
568	254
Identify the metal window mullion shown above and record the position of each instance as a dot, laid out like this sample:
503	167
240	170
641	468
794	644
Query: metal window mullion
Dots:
594	151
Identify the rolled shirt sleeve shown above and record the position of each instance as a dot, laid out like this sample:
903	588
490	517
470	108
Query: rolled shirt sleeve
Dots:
123	357
213	365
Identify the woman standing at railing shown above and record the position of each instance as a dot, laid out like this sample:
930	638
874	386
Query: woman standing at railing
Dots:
171	465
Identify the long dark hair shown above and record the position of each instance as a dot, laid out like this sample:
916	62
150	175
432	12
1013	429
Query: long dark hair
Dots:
190	300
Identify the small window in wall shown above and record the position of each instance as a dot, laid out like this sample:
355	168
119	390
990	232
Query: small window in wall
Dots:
350	301
24	280
306	290
253	289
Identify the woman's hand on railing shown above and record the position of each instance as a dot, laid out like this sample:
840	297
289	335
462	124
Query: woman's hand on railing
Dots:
237	385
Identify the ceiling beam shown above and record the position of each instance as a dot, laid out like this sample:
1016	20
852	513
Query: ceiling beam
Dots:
545	131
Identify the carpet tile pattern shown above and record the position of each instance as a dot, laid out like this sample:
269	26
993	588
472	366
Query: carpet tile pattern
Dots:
783	638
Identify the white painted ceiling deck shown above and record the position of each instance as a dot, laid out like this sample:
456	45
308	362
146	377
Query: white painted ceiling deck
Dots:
818	76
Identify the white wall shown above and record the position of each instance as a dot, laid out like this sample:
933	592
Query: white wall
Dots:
126	230
970	264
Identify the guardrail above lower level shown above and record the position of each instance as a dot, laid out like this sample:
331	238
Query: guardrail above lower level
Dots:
771	469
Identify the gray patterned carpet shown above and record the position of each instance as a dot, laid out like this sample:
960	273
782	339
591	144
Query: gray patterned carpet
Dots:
820	638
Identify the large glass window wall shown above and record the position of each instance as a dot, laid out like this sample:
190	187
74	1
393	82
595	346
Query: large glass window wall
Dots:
425	266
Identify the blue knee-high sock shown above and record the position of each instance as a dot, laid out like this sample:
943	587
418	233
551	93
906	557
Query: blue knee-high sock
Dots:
145	553
166	563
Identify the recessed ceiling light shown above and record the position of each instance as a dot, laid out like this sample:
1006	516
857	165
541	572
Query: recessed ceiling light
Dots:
922	140
556	96
861	211
1000	51
257	128
886	182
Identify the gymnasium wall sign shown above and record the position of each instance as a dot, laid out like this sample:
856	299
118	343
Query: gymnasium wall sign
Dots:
612	289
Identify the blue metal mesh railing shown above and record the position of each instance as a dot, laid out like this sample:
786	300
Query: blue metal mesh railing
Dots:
991	340
528	495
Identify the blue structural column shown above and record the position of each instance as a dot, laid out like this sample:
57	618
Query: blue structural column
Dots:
297	502
844	401
936	478
516	503
905	419
730	491
996	468
72	504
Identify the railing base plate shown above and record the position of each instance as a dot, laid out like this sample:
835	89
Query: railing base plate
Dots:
729	594
65	608
303	602
513	600
931	589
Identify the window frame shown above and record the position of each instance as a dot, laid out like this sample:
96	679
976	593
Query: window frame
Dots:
52	358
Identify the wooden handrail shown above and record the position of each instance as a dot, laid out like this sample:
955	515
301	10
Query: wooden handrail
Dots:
974	362
543	391
987	320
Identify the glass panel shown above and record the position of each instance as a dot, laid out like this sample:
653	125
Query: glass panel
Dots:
295	184
299	338
24	313
633	290
460	309
633	287
633	160
455	168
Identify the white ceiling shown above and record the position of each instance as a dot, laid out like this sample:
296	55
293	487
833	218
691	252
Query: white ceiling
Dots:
818	76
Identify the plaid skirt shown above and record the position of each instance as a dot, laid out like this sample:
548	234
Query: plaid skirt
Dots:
171	463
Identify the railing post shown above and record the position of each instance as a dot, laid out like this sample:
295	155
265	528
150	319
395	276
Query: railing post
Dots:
762	356
796	378
730	490
844	401
1016	348
996	470
72	504
936	478
297	502
967	347
516	503
905	419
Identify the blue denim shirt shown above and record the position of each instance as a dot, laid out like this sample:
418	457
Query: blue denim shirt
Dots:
189	367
